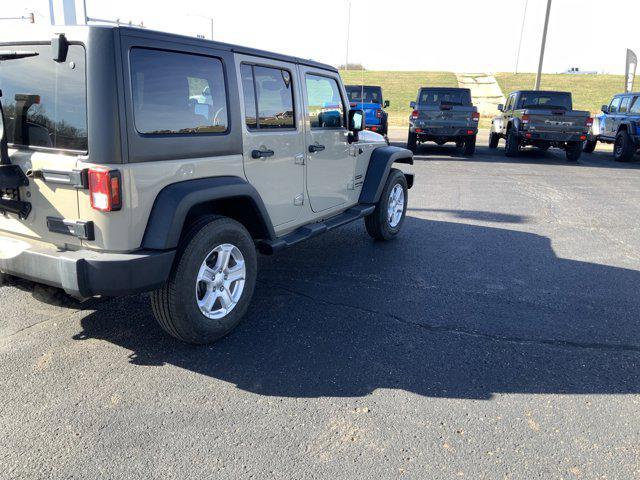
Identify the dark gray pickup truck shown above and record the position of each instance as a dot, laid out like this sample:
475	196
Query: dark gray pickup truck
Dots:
541	119
444	115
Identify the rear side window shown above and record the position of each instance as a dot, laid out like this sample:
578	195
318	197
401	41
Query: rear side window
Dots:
545	100
325	102
178	93
268	97
356	94
447	97
45	102
635	107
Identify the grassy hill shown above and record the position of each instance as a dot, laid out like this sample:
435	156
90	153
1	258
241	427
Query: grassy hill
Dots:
590	92
400	88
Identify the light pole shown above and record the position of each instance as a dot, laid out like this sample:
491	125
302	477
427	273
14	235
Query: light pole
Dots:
207	17
346	62
524	17
542	47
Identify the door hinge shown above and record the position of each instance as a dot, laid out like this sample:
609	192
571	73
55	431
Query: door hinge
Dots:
298	200
300	159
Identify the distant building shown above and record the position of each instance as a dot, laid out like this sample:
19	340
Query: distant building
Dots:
577	71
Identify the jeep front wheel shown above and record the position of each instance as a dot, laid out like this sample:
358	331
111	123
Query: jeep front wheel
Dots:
623	149
387	219
211	284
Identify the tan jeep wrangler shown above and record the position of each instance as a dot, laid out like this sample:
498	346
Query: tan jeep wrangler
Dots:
136	161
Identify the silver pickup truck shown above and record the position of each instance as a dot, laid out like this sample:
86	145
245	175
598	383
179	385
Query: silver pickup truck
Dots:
541	119
444	115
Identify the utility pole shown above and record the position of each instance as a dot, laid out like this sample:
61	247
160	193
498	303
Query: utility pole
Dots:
524	17
542	47
346	63
211	27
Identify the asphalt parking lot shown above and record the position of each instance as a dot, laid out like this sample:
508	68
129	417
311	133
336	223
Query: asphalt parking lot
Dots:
497	338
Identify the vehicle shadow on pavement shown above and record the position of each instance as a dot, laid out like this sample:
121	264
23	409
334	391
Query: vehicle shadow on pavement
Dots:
446	310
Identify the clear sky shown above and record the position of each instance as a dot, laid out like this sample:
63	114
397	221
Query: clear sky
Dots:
455	35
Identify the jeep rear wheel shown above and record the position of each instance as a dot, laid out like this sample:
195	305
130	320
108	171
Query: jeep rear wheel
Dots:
589	146
211	284
512	144
573	150
470	146
412	142
387	219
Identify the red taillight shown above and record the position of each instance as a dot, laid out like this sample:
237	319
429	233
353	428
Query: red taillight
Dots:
469	132
476	116
353	104
589	122
105	189
414	114
583	137
525	119
418	130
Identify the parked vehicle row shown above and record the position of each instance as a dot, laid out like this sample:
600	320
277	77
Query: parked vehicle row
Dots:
138	161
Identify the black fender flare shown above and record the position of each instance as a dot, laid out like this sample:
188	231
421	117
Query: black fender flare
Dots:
630	125
514	123
379	166
174	202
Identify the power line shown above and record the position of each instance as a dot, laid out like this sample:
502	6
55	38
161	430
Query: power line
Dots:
524	17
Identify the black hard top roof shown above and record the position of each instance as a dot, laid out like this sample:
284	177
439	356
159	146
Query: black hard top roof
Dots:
444	88
541	91
173	37
360	86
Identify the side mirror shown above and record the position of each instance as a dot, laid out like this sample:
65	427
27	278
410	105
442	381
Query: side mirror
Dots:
386	104
605	108
500	107
356	124
412	105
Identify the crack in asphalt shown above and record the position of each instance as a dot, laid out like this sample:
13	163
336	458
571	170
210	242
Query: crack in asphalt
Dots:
468	333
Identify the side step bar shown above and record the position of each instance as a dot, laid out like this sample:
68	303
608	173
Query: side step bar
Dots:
269	247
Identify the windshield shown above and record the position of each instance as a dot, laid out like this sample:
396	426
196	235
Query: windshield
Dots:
444	97
371	94
45	102
545	100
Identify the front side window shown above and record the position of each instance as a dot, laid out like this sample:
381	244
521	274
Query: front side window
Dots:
624	105
268	97
325	102
178	93
635	106
615	105
44	101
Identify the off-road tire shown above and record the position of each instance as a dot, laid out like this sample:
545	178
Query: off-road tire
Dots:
470	146
412	142
623	148
174	305
573	150
512	144
377	223
494	139
589	146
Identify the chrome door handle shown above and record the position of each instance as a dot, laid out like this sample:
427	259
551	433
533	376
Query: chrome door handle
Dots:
316	148
262	154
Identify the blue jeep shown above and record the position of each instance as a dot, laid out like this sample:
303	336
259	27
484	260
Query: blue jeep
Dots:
376	119
619	123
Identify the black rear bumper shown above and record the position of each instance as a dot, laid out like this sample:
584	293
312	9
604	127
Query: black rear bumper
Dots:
558	137
86	273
